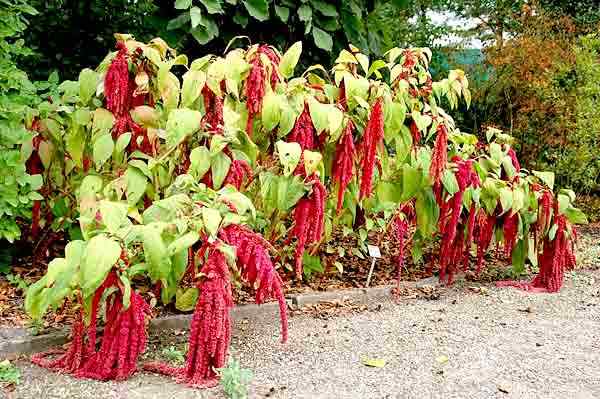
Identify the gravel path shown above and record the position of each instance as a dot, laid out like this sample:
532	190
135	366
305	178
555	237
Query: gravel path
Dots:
490	343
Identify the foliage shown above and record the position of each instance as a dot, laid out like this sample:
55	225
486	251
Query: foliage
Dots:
173	354
235	380
9	372
327	23
578	162
71	35
542	92
17	186
214	172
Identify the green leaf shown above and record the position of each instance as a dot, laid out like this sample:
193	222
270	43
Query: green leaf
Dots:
196	17
114	215
546	177
206	30
100	255
193	82
282	12
322	39
88	80
427	213
166	210
155	251
290	59
182	122
199	161
449	182
212	220
506	198
411	182
183	242
575	215
311	161
220	164
126	291
183	4
213	6
75	144
242	203
179	21
325	8
289	155
305	13
319	113
519	254
271	111
103	149
311	264
258	9
136	185
518	199
389	192
185	299
122	143
288	119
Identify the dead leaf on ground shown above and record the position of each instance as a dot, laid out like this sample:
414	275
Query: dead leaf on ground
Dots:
373	362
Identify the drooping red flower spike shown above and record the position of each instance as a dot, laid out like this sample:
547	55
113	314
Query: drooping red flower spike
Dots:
255	90
70	361
35	166
439	157
557	256
515	161
274	58
256	266
451	249
309	218
470	230
210	331
213	108
415	133
343	163
510	230
123	338
485	232
372	138
238	171
117	83
303	132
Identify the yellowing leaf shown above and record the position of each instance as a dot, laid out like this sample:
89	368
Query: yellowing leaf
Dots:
311	161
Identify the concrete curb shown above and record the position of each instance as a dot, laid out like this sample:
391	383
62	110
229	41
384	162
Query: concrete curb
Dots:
19	342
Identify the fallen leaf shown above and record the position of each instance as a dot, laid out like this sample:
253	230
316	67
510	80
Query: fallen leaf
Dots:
373	362
442	359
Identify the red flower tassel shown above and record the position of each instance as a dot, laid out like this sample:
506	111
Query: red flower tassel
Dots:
309	220
116	83
439	157
252	252
343	163
372	138
210	331
303	132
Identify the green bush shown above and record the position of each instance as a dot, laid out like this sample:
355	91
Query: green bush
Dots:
578	163
17	94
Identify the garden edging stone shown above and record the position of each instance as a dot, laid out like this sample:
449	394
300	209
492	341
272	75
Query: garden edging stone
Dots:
18	341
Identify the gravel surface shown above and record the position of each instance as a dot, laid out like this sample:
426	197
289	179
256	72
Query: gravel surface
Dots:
470	343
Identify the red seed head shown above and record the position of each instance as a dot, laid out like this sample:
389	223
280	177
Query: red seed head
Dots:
372	138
